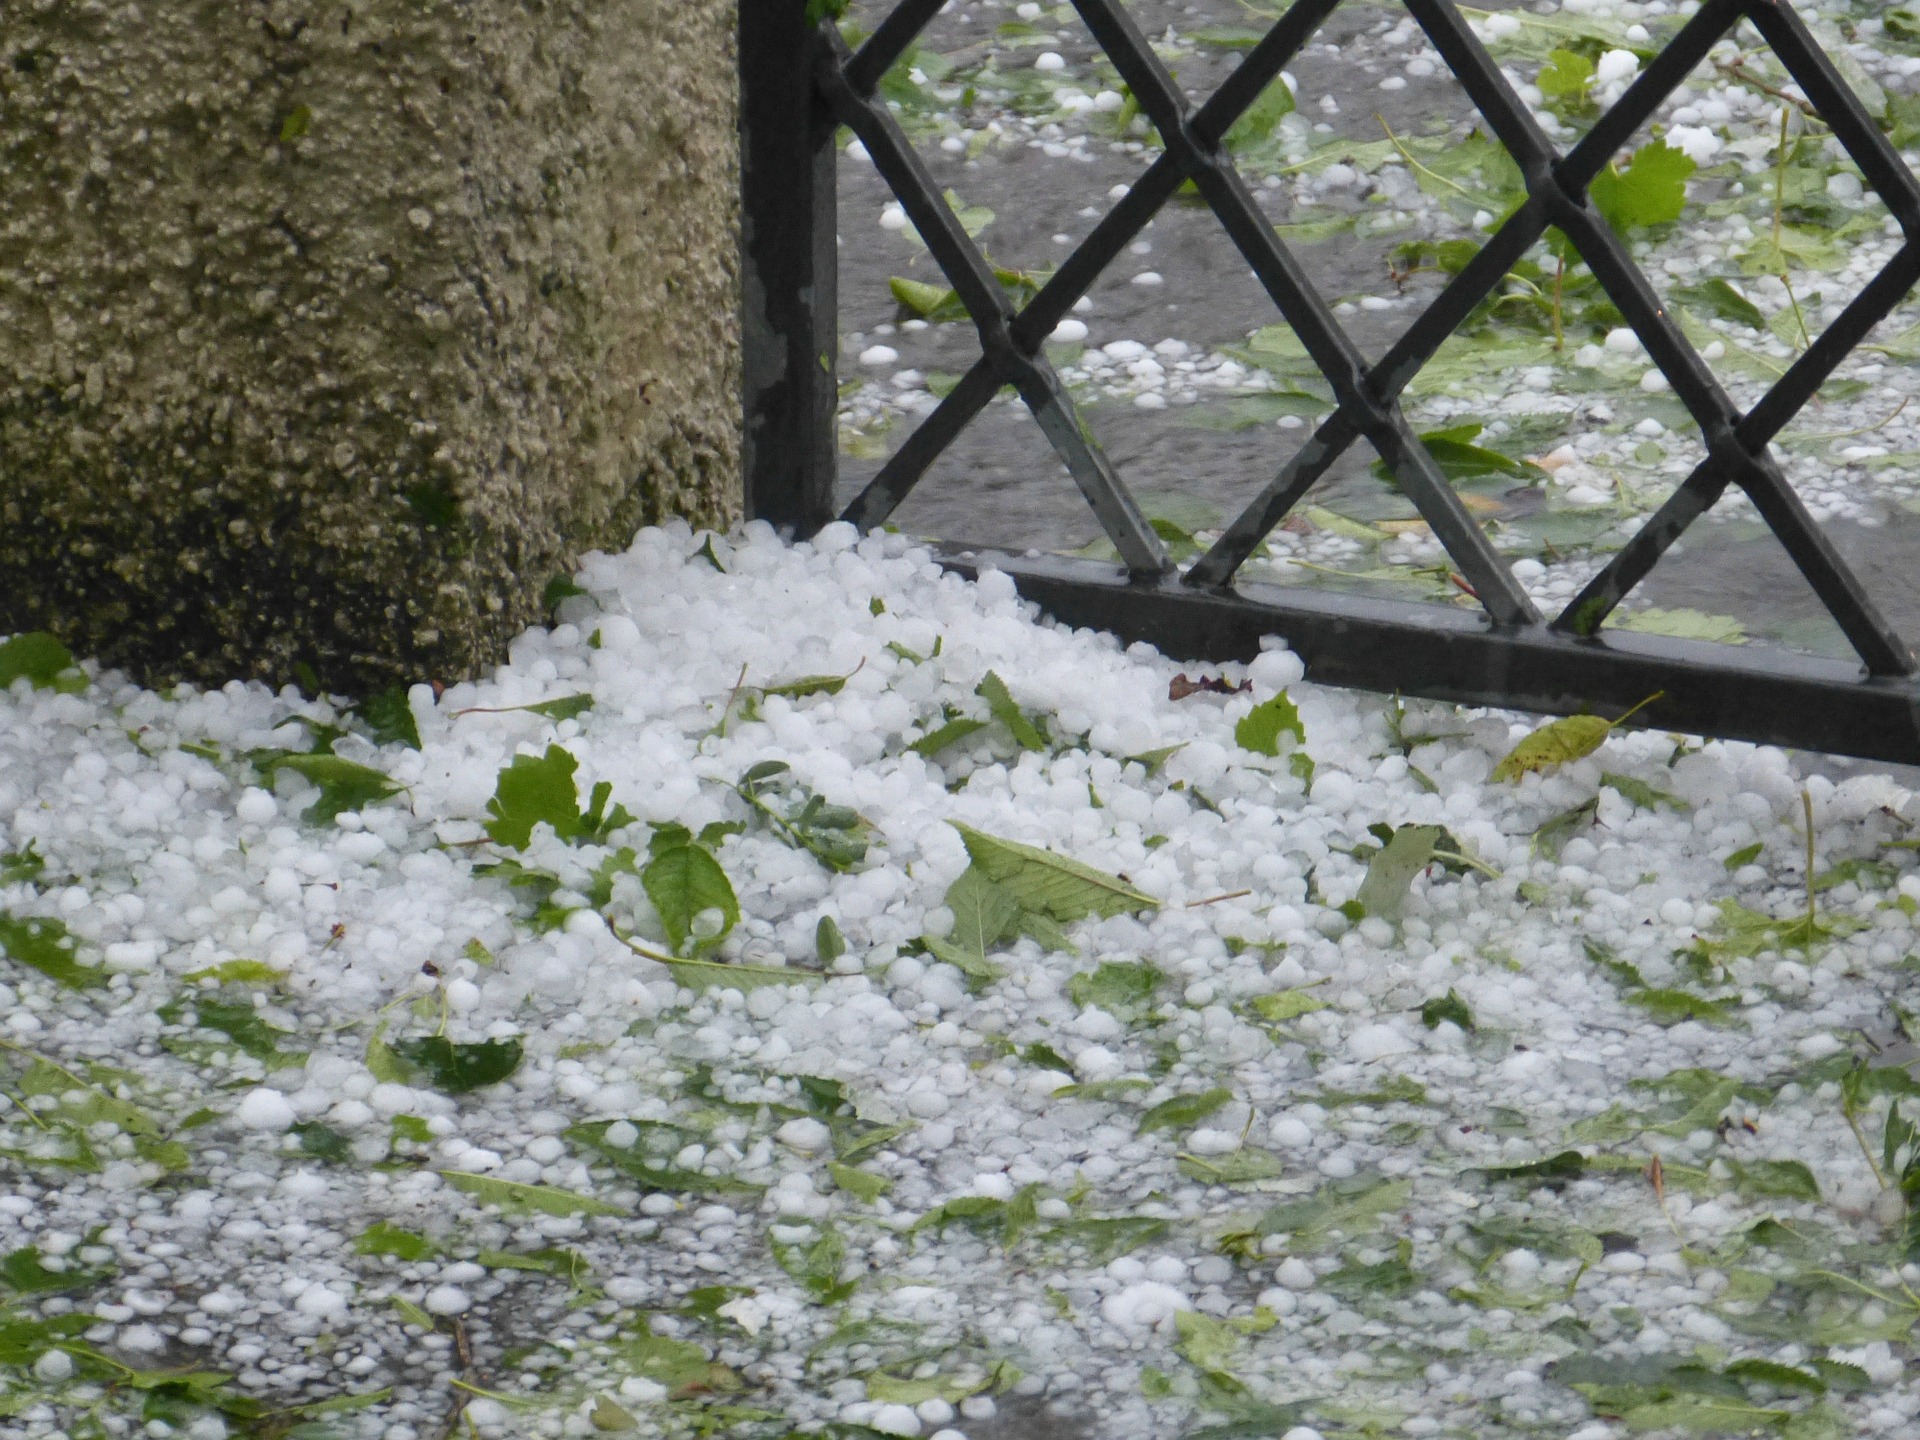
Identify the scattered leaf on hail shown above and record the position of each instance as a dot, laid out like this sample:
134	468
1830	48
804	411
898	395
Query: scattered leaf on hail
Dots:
1052	885
1182	1112
459	1067
1572	738
1390	873
1260	728
343	785
45	945
1028	734
514	1198
688	890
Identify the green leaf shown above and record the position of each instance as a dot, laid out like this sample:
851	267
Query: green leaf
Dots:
42	661
1672	1007
1393	1276
390	717
607	1416
514	1198
45	945
1788	1179
241	1023
1551	838
458	1068
26	864
1682	624
651	1166
1566	76
1125	989
1244	1166
343	785
1026	733
1260	119
299	120
1651	190
1641	793
1351	1206
1703	1415
938	304
1390	873
1049	884
862	1183
1182	1112
984	913
1720	299
1553	1170
533	789
828	943
1561	741
683	882
322	1142
817	1264
1446	1007
25	1271
412	1314
1286	1005
1260	728
237	972
808	685
381	1238
951	733
1106	1238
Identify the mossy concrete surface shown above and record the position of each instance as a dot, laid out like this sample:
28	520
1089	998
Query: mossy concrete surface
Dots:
330	332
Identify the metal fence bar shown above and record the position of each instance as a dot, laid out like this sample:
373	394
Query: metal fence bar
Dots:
799	80
790	269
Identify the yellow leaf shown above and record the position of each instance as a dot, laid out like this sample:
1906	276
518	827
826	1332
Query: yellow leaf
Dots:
1556	743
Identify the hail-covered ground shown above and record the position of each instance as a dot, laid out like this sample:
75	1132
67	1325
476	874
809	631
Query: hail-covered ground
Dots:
1751	220
805	992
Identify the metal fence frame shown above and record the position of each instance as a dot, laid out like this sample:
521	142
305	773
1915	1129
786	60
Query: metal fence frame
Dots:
800	84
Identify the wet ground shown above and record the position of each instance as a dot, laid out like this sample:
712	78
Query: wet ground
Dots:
1046	178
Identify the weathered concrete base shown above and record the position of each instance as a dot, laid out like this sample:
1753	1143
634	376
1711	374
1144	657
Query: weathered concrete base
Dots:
330	332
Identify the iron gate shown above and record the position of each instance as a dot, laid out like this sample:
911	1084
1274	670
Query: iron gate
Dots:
800	83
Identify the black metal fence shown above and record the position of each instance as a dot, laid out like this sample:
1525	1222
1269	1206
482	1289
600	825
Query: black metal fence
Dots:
800	83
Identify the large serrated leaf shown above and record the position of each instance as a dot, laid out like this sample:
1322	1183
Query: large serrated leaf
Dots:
531	789
42	660
1052	885
517	1199
1001	704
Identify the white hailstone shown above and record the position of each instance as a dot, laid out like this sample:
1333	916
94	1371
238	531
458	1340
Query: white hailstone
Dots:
1295	1274
265	1109
893	217
1274	670
1213	1142
1069	332
1049	61
1144	1305
1844	186
1623	341
1108	101
1653	382
255	807
934	1412
447	1300
894	1420
54	1366
321	1302
1699	144
1615	65
856	151
1290	1132
1150	400
1303	1432
1028	11
877	355
1148	278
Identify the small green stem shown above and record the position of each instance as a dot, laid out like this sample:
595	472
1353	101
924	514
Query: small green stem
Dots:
1657	695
